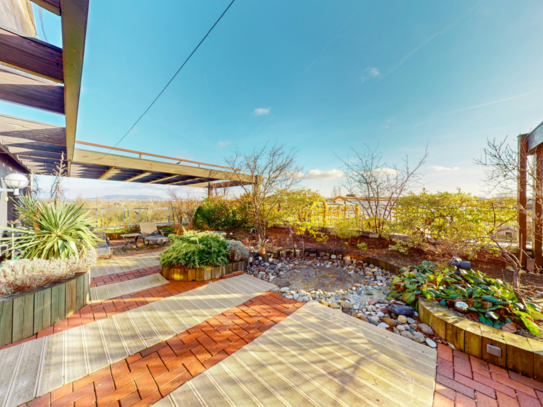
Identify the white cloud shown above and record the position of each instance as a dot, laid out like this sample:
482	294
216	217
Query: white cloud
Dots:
374	72
223	144
440	169
318	174
259	111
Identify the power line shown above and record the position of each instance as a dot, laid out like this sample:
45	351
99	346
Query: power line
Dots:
173	77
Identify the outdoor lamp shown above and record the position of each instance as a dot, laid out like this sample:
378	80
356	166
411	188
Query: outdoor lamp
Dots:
15	182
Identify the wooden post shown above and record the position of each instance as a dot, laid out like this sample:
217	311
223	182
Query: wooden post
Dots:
209	190
324	214
537	207
522	199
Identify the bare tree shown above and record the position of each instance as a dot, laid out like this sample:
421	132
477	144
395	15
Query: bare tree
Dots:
336	191
182	208
376	185
502	167
275	171
57	187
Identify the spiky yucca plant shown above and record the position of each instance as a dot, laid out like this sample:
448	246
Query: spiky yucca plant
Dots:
59	230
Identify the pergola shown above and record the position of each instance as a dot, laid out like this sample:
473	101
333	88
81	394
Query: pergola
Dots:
36	74
530	144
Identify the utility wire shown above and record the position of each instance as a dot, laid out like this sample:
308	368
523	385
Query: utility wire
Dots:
173	77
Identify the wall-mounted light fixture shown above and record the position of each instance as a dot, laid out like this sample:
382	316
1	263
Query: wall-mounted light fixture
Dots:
15	181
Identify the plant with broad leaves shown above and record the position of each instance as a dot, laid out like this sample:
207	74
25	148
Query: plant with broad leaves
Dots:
492	300
196	249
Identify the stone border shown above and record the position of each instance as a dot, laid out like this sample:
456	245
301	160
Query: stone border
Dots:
519	354
284	252
181	273
25	313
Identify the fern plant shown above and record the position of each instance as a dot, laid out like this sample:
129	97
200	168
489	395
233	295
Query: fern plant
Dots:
195	250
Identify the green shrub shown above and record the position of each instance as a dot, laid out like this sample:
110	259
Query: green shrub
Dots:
493	300
195	250
222	214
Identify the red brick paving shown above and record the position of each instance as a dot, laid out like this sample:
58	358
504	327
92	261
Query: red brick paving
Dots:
127	275
146	377
466	381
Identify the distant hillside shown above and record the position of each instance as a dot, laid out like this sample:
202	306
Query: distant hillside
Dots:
121	197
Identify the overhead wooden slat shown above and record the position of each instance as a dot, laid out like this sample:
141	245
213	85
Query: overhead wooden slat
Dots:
30	92
112	160
30	130
107	174
74	31
136	177
163	179
51	5
31	55
225	184
194	182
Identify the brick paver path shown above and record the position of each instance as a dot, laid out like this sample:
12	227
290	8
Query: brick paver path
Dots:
146	377
466	381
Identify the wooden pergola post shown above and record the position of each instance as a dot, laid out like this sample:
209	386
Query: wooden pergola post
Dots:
209	190
537	240
522	198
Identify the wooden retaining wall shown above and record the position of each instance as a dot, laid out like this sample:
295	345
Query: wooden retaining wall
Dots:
182	273
25	313
519	354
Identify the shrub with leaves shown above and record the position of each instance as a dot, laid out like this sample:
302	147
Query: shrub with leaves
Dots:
24	274
196	249
218	213
492	301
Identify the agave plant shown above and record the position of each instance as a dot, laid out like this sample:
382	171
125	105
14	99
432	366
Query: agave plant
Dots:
56	230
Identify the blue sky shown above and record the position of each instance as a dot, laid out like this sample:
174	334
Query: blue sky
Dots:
319	76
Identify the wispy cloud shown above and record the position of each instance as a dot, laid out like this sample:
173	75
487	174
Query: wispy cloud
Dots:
432	37
374	72
318	174
223	144
259	111
444	169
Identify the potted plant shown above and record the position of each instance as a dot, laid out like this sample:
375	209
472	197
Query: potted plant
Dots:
195	256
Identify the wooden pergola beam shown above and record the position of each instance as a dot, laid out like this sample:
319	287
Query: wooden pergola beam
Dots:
534	139
74	32
14	127
136	177
106	174
50	5
30	92
31	55
112	160
163	179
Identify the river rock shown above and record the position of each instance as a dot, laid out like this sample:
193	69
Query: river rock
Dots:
346	305
391	322
383	325
406	334
280	282
426	329
431	343
401	310
418	337
402	319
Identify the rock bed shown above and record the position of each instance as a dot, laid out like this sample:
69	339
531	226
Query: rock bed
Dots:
356	288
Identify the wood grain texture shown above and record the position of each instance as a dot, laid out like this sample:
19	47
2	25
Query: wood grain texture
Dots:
71	297
6	322
23	317
31	55
74	32
51	5
31	93
58	303
21	130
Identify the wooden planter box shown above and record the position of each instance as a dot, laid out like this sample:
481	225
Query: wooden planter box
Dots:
519	354
183	273
25	313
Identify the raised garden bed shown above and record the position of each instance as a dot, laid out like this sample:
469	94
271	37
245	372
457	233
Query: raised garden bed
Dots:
25	313
183	273
508	350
